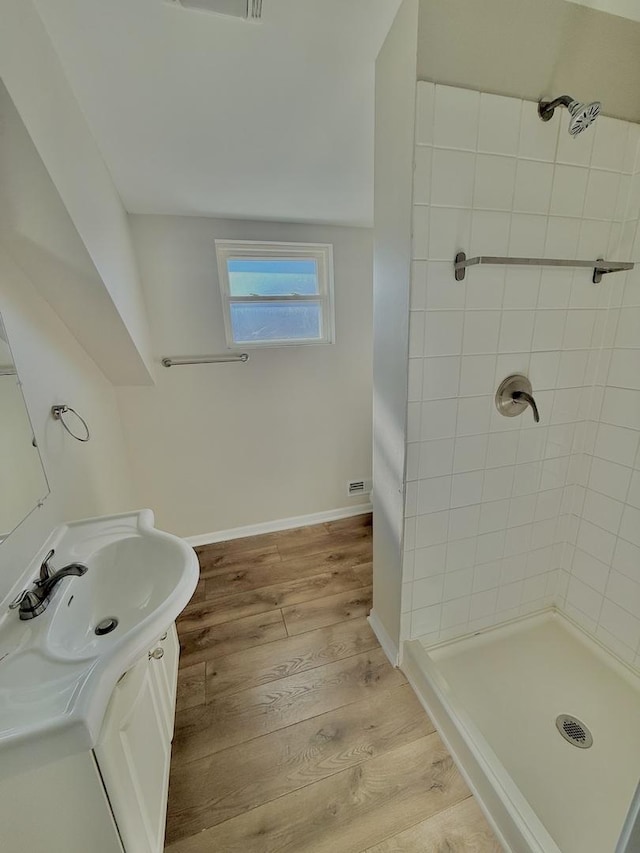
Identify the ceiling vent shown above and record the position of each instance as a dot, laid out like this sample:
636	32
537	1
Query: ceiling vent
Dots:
250	10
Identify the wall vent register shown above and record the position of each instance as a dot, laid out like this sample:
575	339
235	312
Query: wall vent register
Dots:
249	10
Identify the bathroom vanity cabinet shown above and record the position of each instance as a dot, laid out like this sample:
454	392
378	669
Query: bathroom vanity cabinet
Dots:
111	798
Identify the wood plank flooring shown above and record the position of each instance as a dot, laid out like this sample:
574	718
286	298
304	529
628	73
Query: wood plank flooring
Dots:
293	731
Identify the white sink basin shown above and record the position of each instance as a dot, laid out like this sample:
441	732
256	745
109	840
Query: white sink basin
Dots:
56	674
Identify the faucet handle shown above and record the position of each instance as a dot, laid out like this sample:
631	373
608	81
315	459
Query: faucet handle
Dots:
17	601
45	570
27	598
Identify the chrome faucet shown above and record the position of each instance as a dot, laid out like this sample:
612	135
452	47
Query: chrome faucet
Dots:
32	602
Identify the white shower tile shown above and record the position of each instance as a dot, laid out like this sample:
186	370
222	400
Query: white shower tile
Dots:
433	495
549	330
610	479
461	554
473	415
569	187
527	237
555	287
602	510
630	525
440	377
420	232
485	288
436	458
463	522
563	234
455	612
516	330
502	449
609	144
438	419
620	623
429	561
425	97
626	559
418	294
616	443
457	584
425	621
452	178
543	369
624	592
602	194
538	139
494	182
533	187
428	591
584	598
443	292
467	488
443	332
486	576
432	529
477	375
422	176
499	125
498	483
489	232
470	453
634	490
481	330
456	117
449	232
522	284
493	516
575	150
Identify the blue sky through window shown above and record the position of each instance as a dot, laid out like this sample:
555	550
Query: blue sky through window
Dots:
249	277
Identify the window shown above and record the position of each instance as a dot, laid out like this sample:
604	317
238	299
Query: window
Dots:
276	294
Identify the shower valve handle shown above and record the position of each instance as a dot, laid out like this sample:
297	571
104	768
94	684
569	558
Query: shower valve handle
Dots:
522	395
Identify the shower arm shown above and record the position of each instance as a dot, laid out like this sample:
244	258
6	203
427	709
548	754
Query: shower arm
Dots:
546	108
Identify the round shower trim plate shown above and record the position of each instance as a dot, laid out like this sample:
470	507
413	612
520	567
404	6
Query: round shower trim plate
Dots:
574	731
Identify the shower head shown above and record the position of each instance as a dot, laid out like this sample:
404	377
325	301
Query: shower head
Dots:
582	115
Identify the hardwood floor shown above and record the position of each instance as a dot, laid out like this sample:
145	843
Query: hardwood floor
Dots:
293	731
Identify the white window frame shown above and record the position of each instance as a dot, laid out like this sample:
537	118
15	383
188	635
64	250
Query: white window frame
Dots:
321	253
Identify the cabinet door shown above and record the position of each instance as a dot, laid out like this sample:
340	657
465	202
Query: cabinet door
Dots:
133	755
165	672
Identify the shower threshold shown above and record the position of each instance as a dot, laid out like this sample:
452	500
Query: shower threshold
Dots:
496	698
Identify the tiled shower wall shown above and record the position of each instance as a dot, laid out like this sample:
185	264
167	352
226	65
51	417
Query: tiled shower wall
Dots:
600	582
494	505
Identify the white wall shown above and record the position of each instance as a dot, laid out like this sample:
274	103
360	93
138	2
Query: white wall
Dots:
215	447
33	76
534	49
489	498
85	479
394	133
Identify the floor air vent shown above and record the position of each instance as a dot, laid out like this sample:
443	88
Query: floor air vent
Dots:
574	731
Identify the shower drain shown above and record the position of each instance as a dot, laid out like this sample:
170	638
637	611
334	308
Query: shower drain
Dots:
574	731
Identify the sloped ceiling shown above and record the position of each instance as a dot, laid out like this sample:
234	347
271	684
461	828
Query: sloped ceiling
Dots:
201	114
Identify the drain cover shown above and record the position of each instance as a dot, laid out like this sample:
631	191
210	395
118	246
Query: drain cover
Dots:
106	626
574	731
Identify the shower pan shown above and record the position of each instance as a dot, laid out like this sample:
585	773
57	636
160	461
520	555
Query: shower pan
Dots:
543	721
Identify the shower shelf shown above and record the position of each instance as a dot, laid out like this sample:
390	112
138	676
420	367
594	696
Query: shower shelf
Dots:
600	266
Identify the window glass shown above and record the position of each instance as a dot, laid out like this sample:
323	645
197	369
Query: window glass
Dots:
272	321
249	277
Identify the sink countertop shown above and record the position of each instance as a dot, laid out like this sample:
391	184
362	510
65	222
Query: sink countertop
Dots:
56	675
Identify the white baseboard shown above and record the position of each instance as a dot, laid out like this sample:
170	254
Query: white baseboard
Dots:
278	524
388	646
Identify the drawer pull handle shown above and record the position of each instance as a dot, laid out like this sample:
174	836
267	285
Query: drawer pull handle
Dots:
164	636
156	654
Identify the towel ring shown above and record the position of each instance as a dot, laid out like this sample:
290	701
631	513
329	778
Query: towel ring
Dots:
57	413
